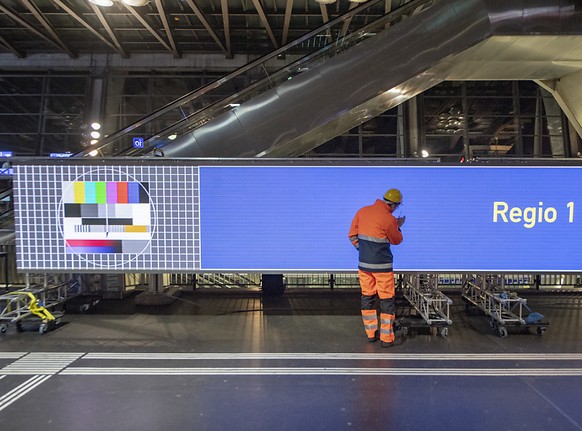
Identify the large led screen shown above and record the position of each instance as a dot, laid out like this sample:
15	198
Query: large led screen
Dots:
294	218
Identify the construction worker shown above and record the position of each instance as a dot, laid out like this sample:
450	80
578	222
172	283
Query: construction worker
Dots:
373	230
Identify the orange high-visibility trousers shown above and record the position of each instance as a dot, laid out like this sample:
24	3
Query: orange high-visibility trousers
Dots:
381	285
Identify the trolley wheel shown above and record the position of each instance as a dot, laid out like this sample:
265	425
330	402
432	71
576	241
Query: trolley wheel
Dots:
19	327
42	328
502	331
541	330
3	328
443	332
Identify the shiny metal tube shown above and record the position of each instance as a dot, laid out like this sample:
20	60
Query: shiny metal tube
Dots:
381	72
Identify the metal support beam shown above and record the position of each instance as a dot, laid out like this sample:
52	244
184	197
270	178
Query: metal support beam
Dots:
148	27
517	120
226	25
85	24
15	16
287	21
167	28
265	21
109	30
207	26
44	22
10	48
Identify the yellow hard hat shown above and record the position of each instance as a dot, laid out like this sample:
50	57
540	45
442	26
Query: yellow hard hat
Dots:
393	195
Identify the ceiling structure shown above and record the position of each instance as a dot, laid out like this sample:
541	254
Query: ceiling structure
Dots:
176	27
167	29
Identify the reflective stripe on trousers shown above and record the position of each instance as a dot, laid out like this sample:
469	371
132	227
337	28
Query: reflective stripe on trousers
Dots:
386	327
370	319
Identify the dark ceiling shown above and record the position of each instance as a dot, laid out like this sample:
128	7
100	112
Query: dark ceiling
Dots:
177	27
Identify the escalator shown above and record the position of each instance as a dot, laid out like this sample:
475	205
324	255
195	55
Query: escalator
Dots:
358	66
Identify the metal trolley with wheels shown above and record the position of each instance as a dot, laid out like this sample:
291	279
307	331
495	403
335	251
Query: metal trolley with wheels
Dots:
487	293
20	306
430	304
35	303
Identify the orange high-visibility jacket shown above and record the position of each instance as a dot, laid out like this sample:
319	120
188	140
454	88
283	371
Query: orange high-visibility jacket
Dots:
373	229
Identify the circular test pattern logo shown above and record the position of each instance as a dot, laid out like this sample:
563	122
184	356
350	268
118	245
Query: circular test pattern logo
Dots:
106	213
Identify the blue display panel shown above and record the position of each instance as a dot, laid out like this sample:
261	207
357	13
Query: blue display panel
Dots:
458	218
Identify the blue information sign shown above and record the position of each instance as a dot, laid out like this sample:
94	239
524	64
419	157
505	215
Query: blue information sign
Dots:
138	142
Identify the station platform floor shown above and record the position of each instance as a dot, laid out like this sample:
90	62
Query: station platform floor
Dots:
219	360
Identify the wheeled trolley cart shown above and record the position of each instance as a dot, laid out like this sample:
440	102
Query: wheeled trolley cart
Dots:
20	306
430	304
36	303
487	293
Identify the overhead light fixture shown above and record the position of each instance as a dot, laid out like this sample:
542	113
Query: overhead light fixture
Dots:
424	153
95	126
325	1
358	1
135	3
172	136
95	134
107	3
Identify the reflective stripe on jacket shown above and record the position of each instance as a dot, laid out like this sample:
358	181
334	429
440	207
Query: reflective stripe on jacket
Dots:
373	229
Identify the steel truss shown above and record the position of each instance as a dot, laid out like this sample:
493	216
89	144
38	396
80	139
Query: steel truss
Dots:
421	291
487	293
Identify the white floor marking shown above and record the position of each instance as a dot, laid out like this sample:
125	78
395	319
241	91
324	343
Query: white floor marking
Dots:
212	371
40	363
21	390
50	363
344	356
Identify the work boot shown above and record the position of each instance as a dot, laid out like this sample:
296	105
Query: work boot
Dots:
397	342
375	338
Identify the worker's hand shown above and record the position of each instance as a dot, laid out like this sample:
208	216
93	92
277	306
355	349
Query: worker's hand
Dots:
401	220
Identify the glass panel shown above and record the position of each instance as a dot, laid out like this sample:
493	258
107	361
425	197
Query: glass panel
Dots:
384	146
28	117
337	147
19	104
488	88
67	85
67	105
19	124
60	143
12	85
21	144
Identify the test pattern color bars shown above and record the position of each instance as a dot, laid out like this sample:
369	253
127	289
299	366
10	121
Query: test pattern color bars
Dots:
106	217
